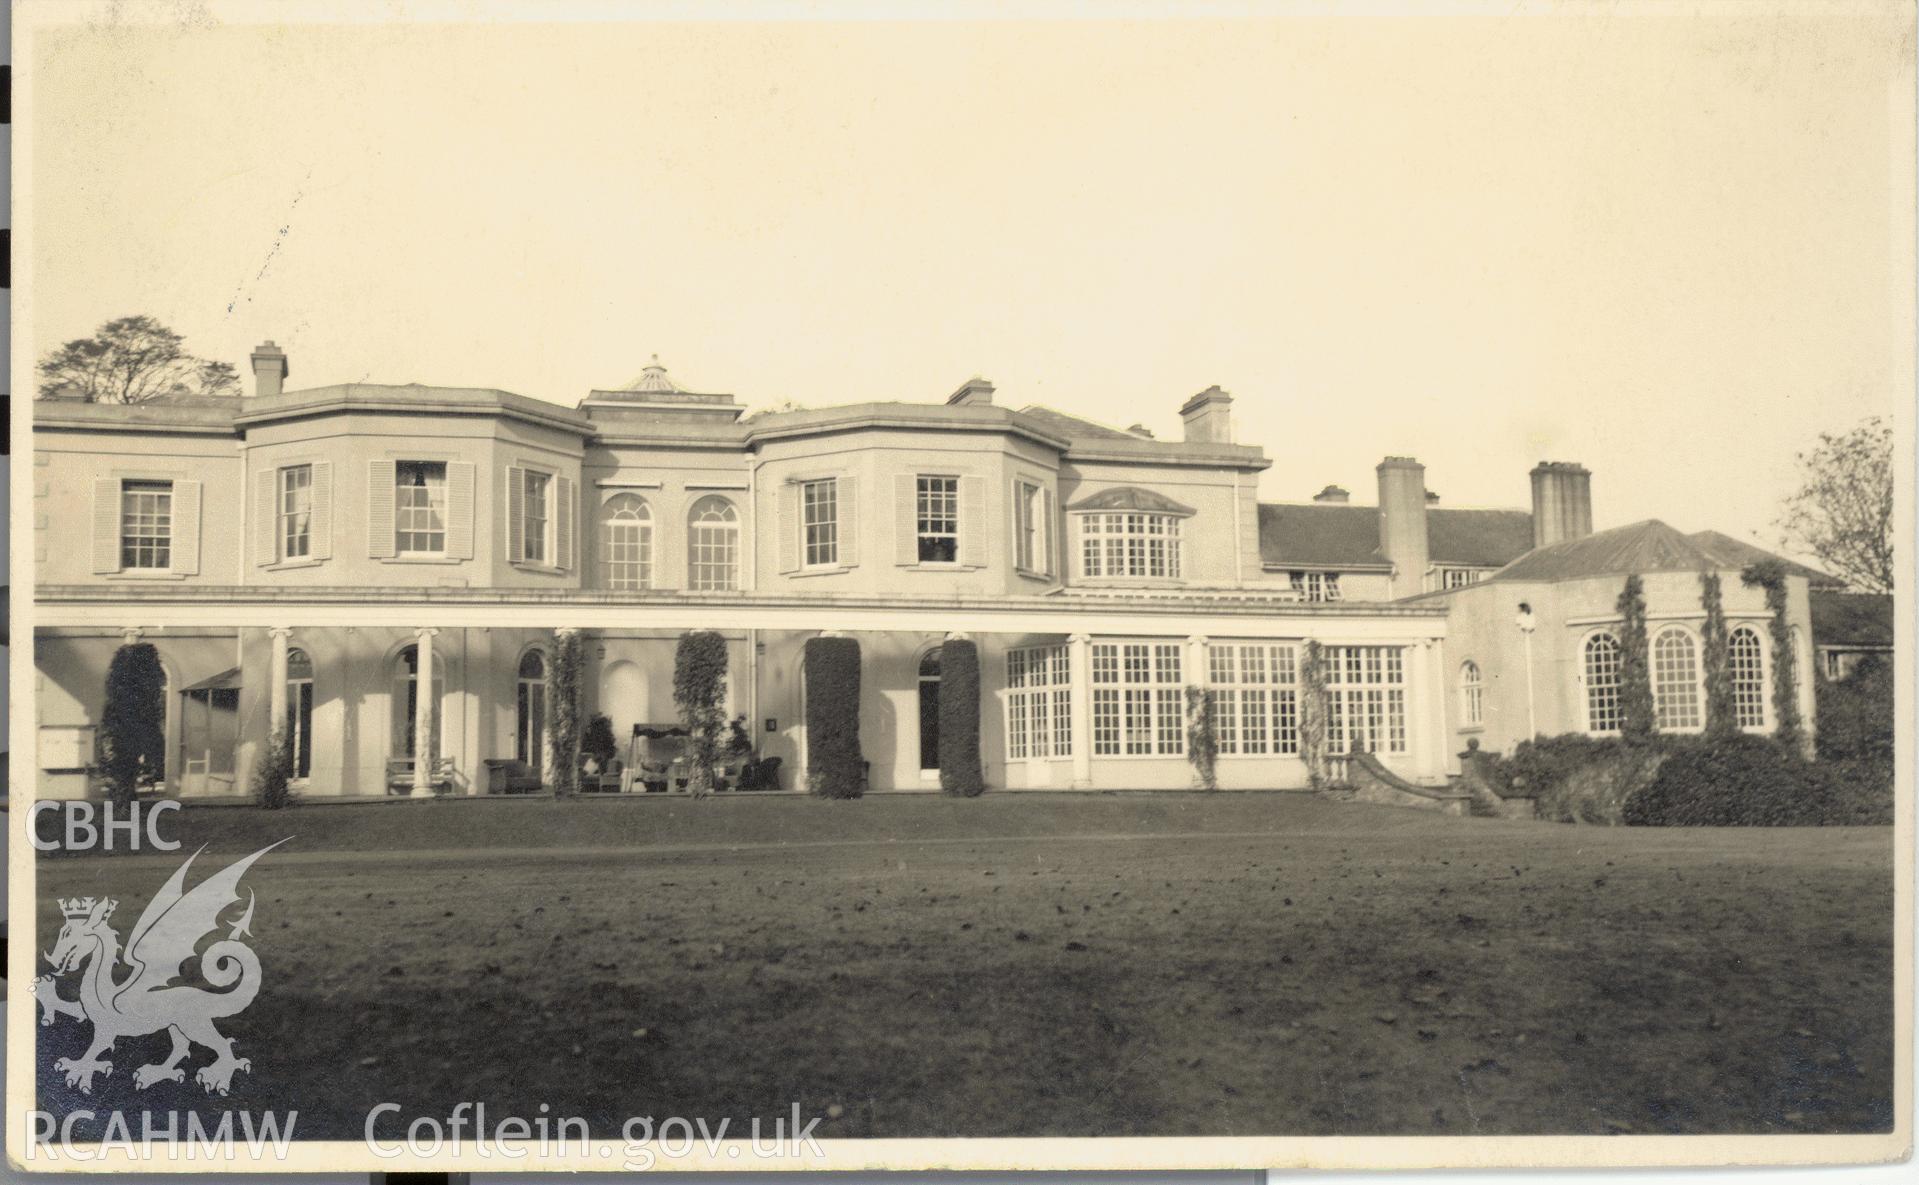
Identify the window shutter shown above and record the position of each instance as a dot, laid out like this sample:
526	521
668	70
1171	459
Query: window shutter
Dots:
848	492
186	527
320	524
789	527
266	517
906	526
459	510
563	524
1049	534
379	509
515	514
972	521
106	524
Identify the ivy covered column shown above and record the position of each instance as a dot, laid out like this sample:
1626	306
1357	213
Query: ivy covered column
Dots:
425	744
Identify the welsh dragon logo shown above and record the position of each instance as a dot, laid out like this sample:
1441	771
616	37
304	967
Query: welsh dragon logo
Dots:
147	1000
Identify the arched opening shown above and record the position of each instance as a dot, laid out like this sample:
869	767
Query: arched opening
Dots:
713	545
1603	711
624	697
1472	694
529	734
1746	665
300	710
406	670
627	543
929	695
1675	681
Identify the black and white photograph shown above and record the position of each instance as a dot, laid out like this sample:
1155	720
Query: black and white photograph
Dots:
630	587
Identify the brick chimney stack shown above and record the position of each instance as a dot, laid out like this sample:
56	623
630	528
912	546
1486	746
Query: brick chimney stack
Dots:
269	369
1209	417
1562	502
1402	523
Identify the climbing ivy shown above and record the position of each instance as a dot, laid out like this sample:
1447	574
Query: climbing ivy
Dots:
1202	737
1770	575
565	708
1635	675
1721	713
1312	714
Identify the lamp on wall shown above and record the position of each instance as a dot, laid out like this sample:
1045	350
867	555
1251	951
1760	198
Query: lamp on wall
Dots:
1524	620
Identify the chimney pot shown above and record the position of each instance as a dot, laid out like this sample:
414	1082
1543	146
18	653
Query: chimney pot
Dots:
974	392
1208	417
1337	494
269	368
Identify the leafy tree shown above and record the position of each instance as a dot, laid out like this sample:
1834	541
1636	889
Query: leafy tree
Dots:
132	360
1842	514
1635	675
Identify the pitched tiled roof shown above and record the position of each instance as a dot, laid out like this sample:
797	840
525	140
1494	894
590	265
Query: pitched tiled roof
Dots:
1332	534
1851	619
1649	546
1074	428
1737	553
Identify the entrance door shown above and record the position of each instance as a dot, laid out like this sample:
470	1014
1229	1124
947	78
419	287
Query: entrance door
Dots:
930	712
209	732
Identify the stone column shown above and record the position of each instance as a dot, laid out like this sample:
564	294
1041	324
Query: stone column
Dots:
425	744
1080	669
277	683
129	634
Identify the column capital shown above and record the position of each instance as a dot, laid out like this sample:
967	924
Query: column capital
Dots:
566	631
280	631
1079	639
1197	639
129	634
425	631
958	636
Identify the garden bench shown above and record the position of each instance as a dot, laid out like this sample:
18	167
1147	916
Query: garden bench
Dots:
399	775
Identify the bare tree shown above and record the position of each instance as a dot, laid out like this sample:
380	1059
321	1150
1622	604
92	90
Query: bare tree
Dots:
1842	515
132	360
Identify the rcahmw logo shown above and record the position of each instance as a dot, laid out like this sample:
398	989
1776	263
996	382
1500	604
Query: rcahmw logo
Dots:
147	1000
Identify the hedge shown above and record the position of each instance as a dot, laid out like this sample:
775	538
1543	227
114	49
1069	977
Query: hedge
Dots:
1736	781
959	752
133	740
1575	778
1856	737
272	778
834	766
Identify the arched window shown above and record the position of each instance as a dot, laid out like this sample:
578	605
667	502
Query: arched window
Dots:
406	666
929	686
626	542
1472	695
300	710
1746	667
713	545
1602	683
1675	681
529	744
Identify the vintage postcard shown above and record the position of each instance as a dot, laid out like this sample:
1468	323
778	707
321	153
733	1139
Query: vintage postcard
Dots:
779	586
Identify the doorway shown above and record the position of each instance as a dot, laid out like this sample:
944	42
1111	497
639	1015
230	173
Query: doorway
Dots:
929	695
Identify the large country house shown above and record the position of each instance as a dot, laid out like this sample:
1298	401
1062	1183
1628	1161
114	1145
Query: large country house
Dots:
316	557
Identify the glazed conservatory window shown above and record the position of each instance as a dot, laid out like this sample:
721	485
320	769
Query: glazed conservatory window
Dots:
1675	681
937	516
713	546
1746	665
1472	695
627	539
1316	586
1138	703
1255	687
146	524
819	519
296	512
1129	544
1365	699
1603	713
419	507
1039	713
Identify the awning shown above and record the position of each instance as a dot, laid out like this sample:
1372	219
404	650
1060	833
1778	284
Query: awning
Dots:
227	680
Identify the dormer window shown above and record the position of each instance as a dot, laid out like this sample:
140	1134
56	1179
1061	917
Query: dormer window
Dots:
1315	586
1130	533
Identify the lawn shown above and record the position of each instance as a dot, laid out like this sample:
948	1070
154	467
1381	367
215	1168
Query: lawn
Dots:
1023	965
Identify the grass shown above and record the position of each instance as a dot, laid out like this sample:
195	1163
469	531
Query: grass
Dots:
1022	965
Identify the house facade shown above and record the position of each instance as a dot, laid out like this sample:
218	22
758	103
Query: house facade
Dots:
378	567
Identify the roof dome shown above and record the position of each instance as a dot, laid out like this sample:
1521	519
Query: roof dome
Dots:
653	378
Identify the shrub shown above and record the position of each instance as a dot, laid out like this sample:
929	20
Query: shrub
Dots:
133	740
960	769
699	688
834	766
597	742
739	743
1735	781
1577	778
273	777
564	708
1202	737
1856	739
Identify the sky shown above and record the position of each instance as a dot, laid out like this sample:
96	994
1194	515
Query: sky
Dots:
1672	242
